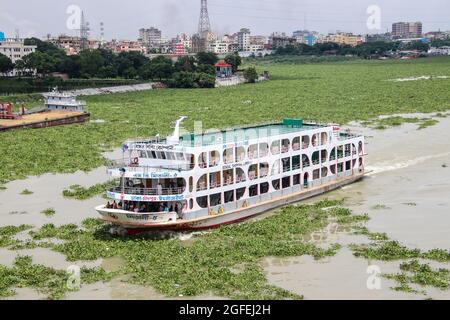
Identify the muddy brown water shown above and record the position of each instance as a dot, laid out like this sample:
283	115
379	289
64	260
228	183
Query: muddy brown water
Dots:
406	194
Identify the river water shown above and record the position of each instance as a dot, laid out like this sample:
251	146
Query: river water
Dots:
406	194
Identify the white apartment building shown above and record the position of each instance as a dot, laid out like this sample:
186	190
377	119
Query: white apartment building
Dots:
219	47
15	49
244	39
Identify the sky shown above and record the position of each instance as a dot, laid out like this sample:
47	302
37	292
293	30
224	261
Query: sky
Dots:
123	19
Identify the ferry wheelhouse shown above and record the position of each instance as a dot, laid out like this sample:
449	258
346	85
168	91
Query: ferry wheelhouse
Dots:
201	181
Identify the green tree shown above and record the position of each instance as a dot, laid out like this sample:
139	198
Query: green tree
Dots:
43	63
208	58
235	60
158	68
250	75
6	64
91	61
185	63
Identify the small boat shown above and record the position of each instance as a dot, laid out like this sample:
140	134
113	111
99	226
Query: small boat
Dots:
205	180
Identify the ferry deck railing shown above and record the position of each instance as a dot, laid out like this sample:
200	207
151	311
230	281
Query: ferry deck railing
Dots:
148	191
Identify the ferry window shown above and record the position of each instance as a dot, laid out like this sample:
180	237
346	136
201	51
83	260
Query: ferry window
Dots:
240	193
285	143
296	179
347	149
202	160
348	165
316	174
253	190
305	161
275	147
229	196
353	149
228	177
202	184
296	144
360	147
360	162
323	138
253	151
214	180
295	162
152	154
305	142
263	169
315	140
333	154
215	199
161	155
191	184
142	154
276	167
323	156
263	150
202	202
286	182
190	158
240	154
228	155
191	204
179	156
333	169
324	172
263	188
276	184
340	167
315	158
253	172
340	152
214	158
170	156
286	164
240	175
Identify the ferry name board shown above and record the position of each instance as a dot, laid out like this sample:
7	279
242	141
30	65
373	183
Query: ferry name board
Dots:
152	147
129	197
144	175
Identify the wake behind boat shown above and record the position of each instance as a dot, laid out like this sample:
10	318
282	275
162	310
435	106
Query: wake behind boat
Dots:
202	181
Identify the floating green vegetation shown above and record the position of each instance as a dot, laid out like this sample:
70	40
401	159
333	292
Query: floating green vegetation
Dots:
49	212
374	236
225	262
26	192
353	90
2	187
427	123
7	233
380	207
393	250
46	280
80	193
424	275
396	121
410	204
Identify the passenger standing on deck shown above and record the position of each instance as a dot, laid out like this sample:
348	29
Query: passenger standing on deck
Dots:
159	188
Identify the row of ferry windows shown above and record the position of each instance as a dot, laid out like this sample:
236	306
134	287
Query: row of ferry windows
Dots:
258	171
277	184
254	151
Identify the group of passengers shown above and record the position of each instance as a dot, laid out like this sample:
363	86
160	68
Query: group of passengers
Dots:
134	206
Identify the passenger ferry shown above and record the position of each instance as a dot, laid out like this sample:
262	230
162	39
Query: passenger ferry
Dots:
201	181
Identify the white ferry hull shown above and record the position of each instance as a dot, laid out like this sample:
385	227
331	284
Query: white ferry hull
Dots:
214	221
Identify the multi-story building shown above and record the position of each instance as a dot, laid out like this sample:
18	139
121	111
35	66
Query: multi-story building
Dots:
126	46
406	30
244	39
280	41
218	47
15	49
344	39
305	37
150	38
70	44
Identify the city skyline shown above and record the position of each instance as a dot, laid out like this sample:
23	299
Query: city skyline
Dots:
49	16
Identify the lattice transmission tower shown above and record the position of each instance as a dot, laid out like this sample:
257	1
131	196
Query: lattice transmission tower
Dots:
84	33
204	25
